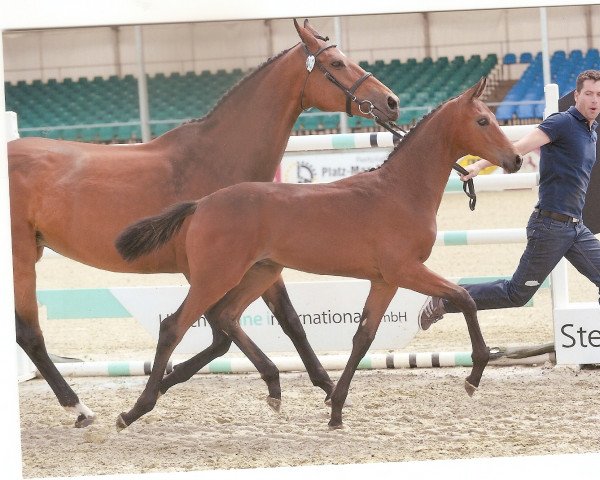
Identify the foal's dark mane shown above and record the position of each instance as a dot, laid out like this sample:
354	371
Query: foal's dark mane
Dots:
411	132
239	84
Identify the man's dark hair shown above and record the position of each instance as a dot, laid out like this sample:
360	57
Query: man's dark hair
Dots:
587	75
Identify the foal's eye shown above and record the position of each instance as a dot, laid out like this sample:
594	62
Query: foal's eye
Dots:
337	64
483	122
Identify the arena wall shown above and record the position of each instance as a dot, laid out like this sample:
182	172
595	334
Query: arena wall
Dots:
211	46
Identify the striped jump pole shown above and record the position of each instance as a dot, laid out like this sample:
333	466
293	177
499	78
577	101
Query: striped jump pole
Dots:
374	361
344	141
481	237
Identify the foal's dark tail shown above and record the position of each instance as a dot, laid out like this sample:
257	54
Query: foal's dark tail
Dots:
150	233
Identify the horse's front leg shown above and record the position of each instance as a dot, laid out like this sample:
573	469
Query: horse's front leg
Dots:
379	298
278	301
423	280
481	353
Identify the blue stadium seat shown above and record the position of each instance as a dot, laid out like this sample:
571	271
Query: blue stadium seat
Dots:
509	59
504	112
526	57
525	111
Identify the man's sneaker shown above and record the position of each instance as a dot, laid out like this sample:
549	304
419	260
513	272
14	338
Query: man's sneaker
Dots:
432	311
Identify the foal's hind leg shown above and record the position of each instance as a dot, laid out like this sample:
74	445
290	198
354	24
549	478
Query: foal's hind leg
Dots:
201	296
171	332
183	371
29	334
224	319
278	301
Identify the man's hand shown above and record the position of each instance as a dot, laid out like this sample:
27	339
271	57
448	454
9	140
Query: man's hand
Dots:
474	169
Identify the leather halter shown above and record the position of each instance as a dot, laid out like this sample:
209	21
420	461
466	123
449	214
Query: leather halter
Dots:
312	61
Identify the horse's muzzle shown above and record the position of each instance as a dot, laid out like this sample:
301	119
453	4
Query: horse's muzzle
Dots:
393	107
514	165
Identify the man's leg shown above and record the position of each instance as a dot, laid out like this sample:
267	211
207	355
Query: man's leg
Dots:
547	242
584	254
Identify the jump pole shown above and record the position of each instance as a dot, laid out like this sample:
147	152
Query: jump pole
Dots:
344	141
374	361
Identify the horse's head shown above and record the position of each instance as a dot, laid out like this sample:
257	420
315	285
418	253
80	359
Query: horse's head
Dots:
479	132
335	83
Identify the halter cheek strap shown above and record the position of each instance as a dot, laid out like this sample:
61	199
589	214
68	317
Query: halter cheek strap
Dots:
351	97
365	106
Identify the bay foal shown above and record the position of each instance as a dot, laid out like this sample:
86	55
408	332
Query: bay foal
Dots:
379	225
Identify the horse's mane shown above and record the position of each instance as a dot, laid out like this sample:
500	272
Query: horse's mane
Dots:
242	81
412	132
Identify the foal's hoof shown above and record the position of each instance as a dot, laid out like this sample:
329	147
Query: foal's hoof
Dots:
274	403
84	421
470	388
121	423
335	426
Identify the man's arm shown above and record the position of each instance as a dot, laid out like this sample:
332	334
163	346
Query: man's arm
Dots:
534	139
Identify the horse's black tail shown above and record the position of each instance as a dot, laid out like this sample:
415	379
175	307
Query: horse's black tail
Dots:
151	233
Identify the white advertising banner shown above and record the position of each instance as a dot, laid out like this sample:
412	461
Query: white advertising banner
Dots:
329	311
329	166
577	333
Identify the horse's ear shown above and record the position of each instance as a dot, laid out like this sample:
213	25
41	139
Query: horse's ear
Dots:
478	88
307	35
475	91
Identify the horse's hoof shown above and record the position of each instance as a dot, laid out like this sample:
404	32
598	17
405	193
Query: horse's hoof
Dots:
274	403
121	423
470	388
84	421
336	426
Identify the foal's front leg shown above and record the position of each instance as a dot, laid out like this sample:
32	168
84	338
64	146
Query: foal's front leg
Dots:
379	298
423	280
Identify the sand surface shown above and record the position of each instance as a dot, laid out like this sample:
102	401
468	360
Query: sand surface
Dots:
223	421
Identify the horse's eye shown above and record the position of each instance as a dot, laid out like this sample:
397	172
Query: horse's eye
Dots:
483	122
337	64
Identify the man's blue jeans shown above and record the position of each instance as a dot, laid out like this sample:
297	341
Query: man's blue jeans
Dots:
548	240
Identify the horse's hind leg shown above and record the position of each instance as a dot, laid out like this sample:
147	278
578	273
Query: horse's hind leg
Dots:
186	370
278	301
224	318
170	334
201	296
29	334
255	282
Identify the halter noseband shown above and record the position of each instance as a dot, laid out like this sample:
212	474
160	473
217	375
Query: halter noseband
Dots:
312	61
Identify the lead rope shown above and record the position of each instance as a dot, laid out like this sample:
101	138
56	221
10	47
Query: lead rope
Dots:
468	186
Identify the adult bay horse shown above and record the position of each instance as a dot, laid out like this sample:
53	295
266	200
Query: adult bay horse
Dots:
378	225
75	198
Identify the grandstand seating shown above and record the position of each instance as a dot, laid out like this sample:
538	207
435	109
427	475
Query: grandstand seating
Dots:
529	88
105	110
